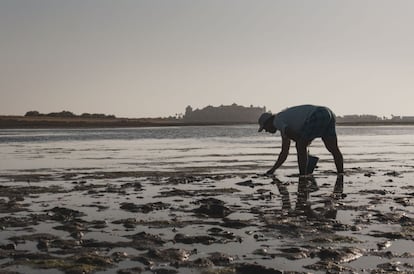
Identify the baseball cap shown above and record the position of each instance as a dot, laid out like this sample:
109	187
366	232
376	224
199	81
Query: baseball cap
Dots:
262	120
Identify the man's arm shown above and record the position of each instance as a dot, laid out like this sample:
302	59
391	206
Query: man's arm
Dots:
282	155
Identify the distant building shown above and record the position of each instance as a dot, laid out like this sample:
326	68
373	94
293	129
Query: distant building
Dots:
224	114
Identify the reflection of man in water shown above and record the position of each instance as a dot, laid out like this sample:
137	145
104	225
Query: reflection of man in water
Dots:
303	205
303	124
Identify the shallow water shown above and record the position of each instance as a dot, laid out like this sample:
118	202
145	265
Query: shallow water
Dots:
96	169
214	149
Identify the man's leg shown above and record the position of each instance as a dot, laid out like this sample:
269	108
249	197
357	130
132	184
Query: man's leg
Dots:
301	149
331	144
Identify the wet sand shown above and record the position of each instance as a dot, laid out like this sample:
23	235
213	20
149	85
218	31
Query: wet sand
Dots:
193	222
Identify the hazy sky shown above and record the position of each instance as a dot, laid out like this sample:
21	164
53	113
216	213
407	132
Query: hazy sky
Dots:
152	58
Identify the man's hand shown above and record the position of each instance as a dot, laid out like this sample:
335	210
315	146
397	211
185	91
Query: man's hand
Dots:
270	171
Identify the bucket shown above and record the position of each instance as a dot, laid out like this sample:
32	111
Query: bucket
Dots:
312	161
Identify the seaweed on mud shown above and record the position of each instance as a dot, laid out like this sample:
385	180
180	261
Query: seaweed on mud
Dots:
286	225
144	208
393	173
12	206
390	235
394	267
33	237
333	238
294	225
62	214
376	191
28	178
78	263
13	221
201	239
387	217
404	201
341	255
72	227
174	223
296	253
244	268
330	267
197	263
19	192
175	192
390	255
228	270
128	223
221	259
196	193
183	180
143	240
137	186
45	241
406	232
212	263
104	246
224	234
97	205
169	254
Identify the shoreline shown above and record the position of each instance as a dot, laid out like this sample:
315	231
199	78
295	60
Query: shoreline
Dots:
22	122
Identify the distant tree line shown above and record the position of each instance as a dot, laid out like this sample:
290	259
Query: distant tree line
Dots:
366	118
68	114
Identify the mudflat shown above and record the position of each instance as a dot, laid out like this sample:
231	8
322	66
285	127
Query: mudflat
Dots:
190	200
189	222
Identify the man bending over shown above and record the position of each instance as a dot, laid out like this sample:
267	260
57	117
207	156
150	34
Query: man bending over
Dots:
303	124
